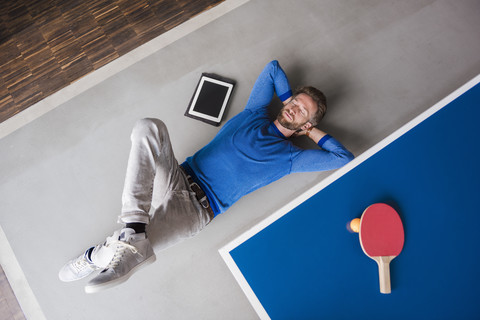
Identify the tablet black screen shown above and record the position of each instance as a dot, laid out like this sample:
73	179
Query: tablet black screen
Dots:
211	99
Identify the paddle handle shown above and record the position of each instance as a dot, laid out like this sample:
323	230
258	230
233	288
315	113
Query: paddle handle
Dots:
384	273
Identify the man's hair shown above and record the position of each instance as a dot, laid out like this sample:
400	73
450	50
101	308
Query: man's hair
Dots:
319	99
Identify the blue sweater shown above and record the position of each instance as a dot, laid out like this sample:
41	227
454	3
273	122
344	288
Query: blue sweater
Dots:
249	151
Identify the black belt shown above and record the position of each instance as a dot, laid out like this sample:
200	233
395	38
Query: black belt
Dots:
199	194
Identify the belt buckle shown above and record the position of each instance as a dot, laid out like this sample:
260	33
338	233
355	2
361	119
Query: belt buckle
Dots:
204	200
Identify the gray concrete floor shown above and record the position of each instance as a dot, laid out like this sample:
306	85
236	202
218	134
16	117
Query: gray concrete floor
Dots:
381	63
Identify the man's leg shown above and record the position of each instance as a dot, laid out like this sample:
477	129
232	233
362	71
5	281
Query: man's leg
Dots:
152	171
154	178
151	159
150	151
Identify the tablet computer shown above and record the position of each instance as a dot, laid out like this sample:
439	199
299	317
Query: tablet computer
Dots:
210	99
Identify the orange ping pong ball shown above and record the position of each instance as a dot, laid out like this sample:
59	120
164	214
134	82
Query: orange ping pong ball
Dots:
355	225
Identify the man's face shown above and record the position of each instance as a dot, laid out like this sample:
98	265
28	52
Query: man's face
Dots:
297	112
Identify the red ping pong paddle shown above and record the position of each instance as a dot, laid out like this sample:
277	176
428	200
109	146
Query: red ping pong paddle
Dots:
381	237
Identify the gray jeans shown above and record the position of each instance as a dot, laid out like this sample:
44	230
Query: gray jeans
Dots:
156	190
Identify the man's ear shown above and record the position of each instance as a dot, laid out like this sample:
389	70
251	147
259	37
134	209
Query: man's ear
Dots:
306	126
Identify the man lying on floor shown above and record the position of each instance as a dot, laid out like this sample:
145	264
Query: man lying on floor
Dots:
250	151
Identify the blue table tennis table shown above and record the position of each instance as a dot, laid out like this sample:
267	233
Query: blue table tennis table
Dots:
302	263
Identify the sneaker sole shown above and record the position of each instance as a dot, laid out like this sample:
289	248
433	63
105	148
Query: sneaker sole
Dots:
116	282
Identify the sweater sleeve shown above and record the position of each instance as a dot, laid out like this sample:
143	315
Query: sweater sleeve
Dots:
271	80
332	155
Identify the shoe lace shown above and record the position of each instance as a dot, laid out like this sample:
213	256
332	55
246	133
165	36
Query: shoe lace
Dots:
121	246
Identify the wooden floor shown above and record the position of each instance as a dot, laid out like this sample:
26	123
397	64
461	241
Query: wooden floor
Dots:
9	308
46	45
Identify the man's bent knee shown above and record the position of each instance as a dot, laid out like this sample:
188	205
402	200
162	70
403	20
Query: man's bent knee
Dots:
148	127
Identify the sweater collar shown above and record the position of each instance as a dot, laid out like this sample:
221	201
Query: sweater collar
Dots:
277	131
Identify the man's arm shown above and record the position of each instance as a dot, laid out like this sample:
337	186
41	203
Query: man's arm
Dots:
313	133
332	154
272	80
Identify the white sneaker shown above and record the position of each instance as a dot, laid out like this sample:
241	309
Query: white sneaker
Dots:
132	251
83	266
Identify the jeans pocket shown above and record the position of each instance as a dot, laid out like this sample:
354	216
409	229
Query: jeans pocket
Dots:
185	211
